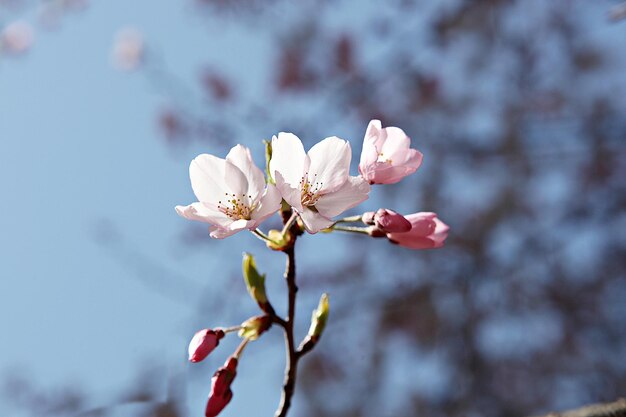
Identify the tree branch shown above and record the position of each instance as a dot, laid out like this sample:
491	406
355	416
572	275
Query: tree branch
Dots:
292	359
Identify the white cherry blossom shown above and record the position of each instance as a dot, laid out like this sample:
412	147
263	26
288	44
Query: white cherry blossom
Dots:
317	184
232	194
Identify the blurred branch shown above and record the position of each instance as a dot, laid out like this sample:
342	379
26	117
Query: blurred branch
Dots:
615	409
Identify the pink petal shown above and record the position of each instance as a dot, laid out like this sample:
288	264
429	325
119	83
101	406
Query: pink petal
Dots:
396	145
427	232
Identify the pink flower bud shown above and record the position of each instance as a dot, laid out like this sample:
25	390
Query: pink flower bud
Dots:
391	222
203	343
427	232
221	394
386	157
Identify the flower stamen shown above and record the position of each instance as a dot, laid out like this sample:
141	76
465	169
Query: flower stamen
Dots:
234	207
310	190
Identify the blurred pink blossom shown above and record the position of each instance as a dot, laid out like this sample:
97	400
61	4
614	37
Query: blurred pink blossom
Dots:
128	49
427	232
386	157
17	37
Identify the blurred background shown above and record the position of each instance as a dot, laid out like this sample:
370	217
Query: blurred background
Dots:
519	107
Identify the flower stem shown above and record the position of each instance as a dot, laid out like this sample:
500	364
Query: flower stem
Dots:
351	219
263	236
351	229
231	329
240	348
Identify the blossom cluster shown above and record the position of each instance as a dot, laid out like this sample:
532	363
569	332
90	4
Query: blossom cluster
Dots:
309	189
234	194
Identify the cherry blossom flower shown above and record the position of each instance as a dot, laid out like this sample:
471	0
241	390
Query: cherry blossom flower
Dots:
427	232
317	184
221	394
386	157
203	343
232	193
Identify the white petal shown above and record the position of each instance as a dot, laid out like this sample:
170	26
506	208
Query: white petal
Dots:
268	205
351	194
240	156
207	177
293	196
231	229
288	158
314	222
236	182
203	213
330	164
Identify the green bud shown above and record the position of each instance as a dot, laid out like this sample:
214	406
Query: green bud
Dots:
319	318
255	282
279	241
252	328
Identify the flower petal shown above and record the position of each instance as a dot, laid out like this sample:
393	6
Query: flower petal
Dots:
441	233
236	182
288	158
292	195
207	177
234	227
427	232
396	145
268	205
240	157
314	222
203	213
330	164
353	192
385	173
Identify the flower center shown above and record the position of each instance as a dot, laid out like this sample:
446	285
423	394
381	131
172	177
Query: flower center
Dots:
310	190
235	207
381	158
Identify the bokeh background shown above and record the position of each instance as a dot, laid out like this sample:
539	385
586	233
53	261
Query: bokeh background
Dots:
519	107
